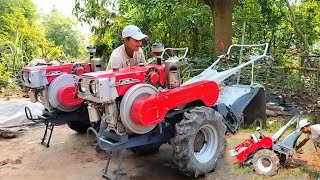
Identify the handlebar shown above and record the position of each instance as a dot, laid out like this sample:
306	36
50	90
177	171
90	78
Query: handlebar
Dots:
266	45
176	49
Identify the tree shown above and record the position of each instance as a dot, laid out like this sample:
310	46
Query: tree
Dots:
26	7
221	11
293	21
222	20
20	35
196	24
174	23
22	38
61	31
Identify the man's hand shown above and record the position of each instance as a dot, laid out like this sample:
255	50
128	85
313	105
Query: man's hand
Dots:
299	150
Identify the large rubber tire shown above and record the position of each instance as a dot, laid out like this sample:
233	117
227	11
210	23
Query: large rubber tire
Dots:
205	122
266	162
79	127
146	149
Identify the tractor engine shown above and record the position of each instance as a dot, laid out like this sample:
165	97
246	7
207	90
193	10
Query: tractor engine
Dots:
53	85
110	91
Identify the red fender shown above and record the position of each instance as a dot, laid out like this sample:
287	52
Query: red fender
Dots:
151	110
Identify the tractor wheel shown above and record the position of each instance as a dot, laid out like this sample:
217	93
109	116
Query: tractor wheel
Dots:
266	162
79	127
199	141
146	149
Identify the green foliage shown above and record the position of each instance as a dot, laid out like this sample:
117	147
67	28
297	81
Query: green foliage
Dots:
22	38
4	76
271	127
308	15
174	23
22	34
26	7
189	24
269	21
313	174
16	35
61	33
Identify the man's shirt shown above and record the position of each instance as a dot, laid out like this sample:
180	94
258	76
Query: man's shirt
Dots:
120	59
315	134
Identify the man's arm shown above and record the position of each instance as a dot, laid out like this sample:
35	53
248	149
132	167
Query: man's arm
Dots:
302	143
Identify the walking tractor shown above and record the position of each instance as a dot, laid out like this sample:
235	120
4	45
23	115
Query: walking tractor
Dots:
53	86
142	107
265	153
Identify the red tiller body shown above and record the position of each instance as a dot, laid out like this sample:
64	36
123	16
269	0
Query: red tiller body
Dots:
52	71
151	110
265	143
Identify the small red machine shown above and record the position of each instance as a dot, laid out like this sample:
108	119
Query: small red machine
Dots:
243	150
53	86
265	154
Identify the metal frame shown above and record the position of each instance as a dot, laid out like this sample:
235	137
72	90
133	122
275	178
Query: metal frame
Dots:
51	119
109	141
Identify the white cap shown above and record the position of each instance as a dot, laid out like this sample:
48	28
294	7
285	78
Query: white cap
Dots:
134	32
302	123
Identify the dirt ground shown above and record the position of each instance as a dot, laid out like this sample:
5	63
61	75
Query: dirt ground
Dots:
71	157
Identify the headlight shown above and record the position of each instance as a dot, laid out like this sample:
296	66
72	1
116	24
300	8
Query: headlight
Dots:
81	86
25	76
29	77
93	87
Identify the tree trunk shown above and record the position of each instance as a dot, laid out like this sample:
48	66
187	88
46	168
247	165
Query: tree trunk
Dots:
222	20
296	28
195	41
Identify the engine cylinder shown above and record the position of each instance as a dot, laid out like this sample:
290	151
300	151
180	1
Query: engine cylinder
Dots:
157	49
172	71
96	65
254	138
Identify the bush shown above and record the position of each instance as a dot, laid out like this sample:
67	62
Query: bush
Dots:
4	77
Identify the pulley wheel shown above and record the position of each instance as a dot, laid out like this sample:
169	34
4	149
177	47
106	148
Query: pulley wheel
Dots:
55	86
135	93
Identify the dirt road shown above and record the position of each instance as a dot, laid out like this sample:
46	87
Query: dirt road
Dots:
71	157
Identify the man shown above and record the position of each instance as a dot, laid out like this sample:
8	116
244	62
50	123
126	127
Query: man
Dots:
130	52
312	131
